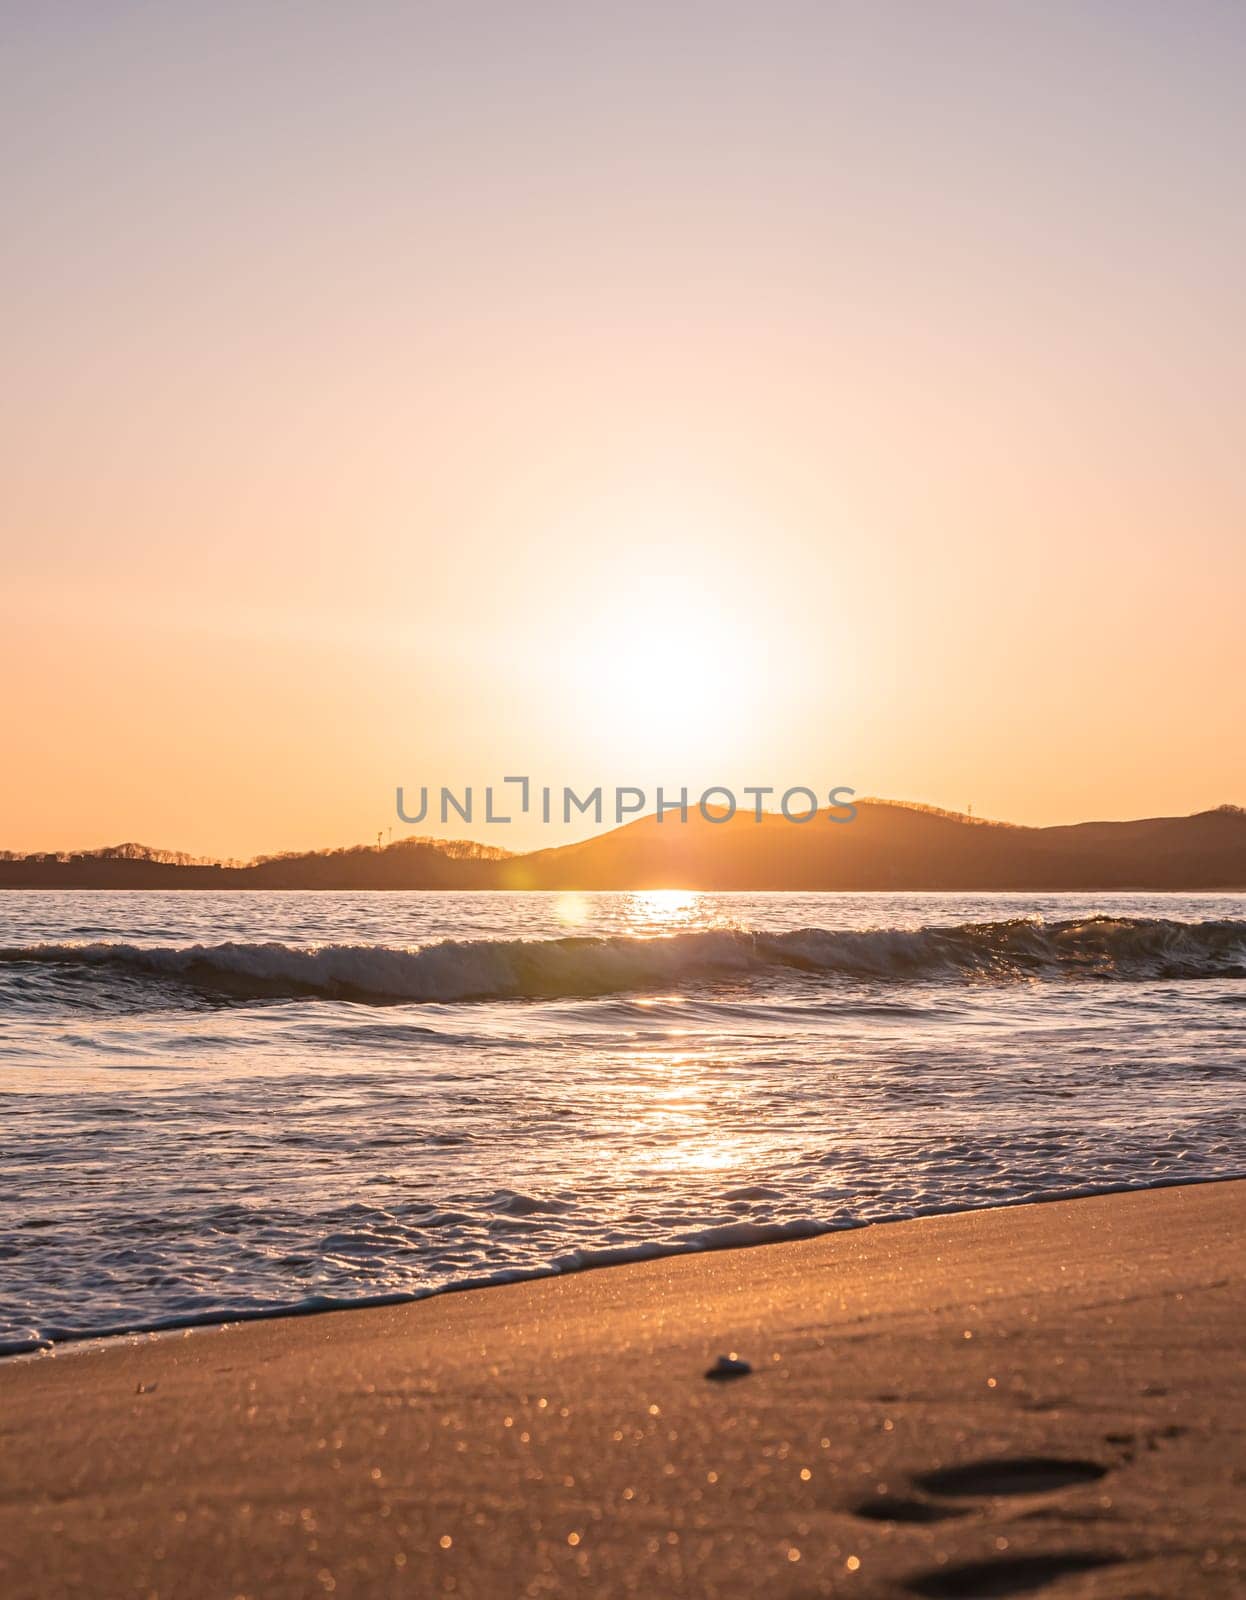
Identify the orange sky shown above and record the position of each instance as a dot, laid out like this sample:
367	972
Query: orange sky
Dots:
618	394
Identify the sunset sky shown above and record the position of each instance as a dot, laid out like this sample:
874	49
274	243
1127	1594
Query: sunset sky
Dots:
636	393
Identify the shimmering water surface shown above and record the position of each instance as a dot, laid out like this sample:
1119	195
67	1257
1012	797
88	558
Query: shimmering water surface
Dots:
225	1104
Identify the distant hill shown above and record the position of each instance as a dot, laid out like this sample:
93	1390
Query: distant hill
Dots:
409	864
890	845
898	846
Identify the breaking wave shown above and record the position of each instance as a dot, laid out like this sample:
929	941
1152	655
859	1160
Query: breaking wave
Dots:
487	969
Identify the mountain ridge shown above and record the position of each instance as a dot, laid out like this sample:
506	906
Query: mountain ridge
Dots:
890	845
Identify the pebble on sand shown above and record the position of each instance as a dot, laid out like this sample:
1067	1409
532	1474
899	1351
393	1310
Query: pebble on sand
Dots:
729	1367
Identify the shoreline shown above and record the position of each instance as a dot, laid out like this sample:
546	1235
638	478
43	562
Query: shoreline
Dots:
795	1232
1042	1396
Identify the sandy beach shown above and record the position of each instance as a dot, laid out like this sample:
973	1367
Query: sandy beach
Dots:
1037	1399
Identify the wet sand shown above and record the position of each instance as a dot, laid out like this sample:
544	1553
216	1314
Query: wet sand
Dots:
1040	1400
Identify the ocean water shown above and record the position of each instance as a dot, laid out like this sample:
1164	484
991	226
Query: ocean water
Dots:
227	1104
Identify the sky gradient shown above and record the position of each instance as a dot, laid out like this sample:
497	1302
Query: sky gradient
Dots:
697	393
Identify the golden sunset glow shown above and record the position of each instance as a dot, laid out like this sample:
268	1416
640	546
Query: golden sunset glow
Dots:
829	411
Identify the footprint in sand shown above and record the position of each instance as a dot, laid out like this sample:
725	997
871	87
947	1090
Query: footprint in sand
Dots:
978	1480
990	1479
979	1580
894	1508
1010	1475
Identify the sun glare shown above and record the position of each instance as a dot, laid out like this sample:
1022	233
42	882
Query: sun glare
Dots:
669	670
644	912
572	909
664	910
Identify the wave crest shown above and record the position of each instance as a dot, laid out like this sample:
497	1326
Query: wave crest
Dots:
489	969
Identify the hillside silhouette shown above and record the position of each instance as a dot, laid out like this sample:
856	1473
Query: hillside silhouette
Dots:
409	864
892	845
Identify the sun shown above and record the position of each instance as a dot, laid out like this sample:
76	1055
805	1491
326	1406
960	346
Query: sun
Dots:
668	669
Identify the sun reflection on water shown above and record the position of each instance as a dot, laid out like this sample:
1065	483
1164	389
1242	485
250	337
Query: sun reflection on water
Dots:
667	908
644	913
573	909
672	1103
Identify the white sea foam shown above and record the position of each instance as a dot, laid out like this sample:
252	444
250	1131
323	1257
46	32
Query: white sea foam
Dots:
180	1150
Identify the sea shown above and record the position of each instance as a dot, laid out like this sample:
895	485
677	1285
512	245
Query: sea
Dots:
225	1105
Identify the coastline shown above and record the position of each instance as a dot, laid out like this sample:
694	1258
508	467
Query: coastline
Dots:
1080	1359
745	1237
